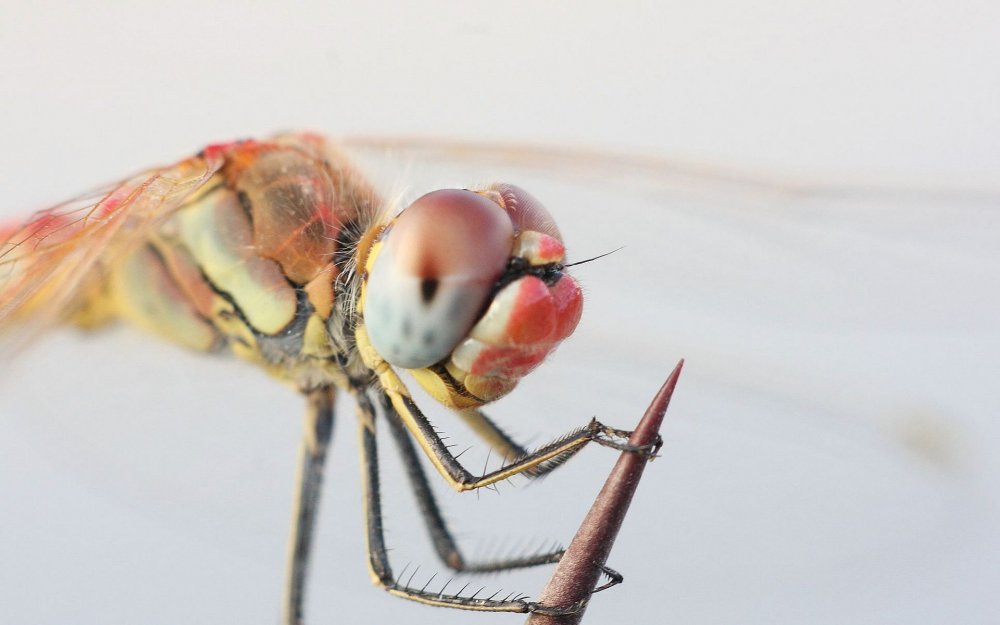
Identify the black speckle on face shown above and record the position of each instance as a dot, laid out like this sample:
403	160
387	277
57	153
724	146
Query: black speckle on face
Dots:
407	327
428	337
428	287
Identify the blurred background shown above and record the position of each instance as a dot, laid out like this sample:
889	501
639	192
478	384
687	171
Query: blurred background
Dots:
816	235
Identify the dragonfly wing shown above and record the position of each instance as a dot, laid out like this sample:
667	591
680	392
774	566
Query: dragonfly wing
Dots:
45	261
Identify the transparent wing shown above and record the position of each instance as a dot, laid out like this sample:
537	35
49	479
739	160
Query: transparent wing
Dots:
46	260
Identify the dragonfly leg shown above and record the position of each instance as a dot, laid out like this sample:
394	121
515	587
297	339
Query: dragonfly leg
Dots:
500	441
490	432
543	460
441	536
312	456
378	557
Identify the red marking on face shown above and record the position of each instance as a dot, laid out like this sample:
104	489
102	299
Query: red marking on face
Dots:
568	300
551	247
509	362
533	317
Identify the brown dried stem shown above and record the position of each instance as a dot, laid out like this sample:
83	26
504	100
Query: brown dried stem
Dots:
579	569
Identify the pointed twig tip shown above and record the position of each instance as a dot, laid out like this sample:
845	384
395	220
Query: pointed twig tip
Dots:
576	575
651	421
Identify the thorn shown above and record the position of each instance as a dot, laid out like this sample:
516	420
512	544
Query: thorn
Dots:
580	567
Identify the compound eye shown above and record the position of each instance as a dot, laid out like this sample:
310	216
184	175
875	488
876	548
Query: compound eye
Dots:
525	211
431	278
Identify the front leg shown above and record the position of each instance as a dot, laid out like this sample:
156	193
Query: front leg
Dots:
541	461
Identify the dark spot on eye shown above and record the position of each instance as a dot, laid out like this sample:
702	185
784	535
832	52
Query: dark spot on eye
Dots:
428	287
428	338
407	327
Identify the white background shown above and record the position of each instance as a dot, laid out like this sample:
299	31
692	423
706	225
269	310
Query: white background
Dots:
832	449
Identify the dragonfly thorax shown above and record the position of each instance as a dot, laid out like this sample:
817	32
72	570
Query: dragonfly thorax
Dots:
258	261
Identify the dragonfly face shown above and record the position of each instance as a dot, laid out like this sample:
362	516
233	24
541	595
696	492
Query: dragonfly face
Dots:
469	288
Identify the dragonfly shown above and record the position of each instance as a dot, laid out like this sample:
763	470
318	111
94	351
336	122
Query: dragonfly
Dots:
281	253
832	332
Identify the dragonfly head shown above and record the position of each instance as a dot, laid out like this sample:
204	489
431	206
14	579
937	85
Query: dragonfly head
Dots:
467	289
